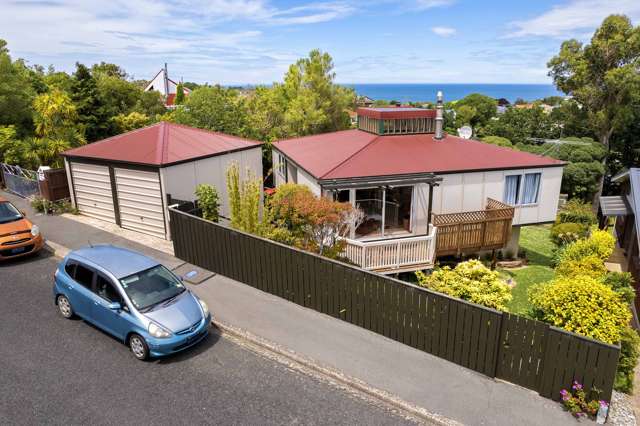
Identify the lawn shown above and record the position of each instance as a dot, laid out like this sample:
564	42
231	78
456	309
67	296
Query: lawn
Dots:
539	248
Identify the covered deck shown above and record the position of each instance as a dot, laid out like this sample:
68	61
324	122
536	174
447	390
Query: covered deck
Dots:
449	234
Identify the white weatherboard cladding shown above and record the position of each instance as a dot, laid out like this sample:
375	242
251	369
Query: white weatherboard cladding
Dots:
181	180
92	188
140	201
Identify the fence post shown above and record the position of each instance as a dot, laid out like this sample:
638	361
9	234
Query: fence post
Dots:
498	346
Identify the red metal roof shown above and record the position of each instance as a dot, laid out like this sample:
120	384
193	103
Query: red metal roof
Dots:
355	153
396	113
161	144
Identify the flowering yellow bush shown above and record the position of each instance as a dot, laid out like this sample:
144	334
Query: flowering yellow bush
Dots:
591	266
599	243
471	281
583	305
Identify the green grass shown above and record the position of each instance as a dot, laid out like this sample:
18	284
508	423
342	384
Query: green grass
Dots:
539	248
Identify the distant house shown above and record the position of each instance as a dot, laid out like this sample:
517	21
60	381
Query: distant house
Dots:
424	193
167	87
502	106
364	101
625	208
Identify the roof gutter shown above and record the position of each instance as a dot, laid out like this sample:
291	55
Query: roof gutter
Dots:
372	181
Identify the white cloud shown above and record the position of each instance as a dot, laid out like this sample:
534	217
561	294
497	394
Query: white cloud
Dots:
429	4
444	31
574	16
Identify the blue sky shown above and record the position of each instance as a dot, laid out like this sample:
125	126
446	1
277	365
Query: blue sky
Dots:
254	41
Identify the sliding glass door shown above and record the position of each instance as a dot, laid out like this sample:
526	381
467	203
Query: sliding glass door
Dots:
387	210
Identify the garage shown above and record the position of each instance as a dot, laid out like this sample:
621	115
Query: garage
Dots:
93	191
130	179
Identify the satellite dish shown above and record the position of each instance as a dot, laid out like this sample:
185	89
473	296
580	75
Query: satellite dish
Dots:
465	132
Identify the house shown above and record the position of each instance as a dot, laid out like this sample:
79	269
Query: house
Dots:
424	193
364	101
130	179
167	87
624	208
502	106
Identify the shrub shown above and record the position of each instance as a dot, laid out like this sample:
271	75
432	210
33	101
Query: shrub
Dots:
567	232
43	205
629	352
576	211
590	266
471	281
497	140
621	283
208	201
244	199
599	243
583	305
579	404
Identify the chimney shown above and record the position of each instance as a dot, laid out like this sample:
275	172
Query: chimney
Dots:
439	118
166	80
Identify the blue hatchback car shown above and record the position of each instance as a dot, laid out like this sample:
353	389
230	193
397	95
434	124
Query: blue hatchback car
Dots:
132	297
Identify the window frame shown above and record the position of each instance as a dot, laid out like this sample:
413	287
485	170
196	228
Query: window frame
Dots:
521	184
384	235
110	282
91	286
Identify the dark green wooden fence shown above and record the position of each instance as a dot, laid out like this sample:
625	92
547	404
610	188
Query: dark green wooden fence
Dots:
519	350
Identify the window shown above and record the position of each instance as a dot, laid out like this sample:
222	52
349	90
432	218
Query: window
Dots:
341	196
387	210
516	193
531	188
83	276
151	287
70	269
105	289
281	166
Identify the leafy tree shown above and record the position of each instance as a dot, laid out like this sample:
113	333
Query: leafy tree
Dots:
296	216
214	108
16	93
475	110
179	94
109	70
313	102
497	140
519	124
90	107
471	281
134	120
150	103
602	76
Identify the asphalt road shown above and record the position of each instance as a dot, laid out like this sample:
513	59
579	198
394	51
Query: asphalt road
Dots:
58	371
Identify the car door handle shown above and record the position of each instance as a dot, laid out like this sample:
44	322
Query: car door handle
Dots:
96	303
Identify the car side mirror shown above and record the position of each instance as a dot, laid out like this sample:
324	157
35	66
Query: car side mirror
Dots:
115	306
188	275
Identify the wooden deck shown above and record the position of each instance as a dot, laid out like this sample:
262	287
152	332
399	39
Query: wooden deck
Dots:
470	232
393	255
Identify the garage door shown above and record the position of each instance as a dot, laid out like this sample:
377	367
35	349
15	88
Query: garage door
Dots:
140	201
92	187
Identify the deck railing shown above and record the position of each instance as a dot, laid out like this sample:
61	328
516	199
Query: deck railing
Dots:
469	232
393	254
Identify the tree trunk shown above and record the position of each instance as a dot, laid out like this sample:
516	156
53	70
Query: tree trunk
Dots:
604	139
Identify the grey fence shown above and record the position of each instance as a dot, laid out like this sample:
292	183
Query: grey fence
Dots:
20	181
506	346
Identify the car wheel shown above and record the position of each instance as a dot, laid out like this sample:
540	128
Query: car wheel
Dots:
139	347
64	306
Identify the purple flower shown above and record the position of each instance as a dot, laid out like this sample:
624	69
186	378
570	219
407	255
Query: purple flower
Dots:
563	392
576	385
604	404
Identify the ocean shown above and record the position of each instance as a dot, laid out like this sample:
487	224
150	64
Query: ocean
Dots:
452	92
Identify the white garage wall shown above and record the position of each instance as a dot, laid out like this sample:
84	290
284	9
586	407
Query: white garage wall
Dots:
301	176
181	180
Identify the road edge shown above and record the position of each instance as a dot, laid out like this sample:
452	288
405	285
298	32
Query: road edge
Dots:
306	365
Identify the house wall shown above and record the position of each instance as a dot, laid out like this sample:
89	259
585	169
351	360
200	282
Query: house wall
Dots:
294	175
469	191
181	180
158	84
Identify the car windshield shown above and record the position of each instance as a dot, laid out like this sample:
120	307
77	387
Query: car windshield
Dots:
8	212
151	287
